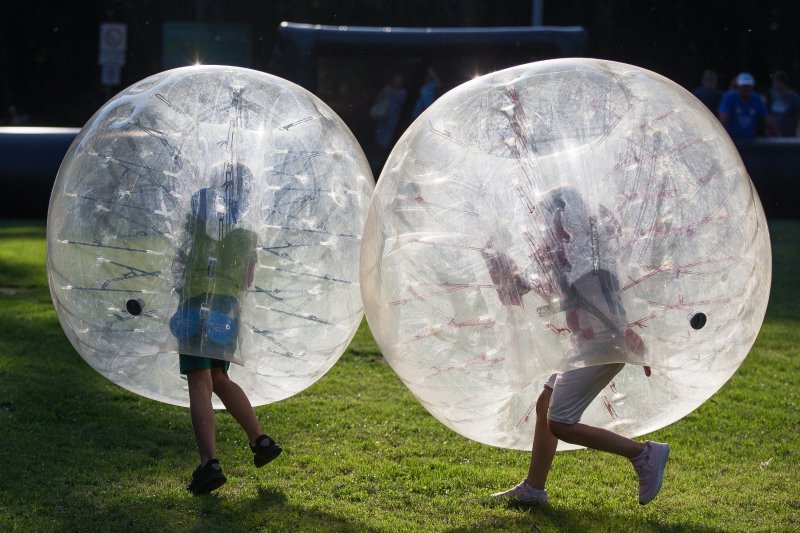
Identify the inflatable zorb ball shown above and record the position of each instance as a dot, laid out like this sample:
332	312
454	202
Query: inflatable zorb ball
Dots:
215	212
558	215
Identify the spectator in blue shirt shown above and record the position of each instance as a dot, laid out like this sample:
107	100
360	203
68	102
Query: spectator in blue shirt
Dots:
707	92
784	104
741	111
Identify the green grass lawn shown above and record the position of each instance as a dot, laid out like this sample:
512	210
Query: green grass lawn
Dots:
79	453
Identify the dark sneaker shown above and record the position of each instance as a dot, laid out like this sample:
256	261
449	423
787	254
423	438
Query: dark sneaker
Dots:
207	478
265	450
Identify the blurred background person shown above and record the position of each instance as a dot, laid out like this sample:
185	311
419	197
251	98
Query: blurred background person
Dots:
385	113
742	111
428	92
707	92
784	104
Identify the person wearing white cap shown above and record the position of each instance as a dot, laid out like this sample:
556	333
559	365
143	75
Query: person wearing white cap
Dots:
742	110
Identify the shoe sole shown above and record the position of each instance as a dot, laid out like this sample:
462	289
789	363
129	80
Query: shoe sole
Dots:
260	461
517	498
661	467
512	499
212	484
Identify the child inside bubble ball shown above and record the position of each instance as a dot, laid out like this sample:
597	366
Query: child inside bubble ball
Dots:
216	265
571	272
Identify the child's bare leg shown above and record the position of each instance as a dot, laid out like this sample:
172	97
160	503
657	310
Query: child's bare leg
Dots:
200	386
544	444
237	404
596	438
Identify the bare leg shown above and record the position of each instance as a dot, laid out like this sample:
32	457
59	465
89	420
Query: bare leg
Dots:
237	404
200	386
596	438
544	444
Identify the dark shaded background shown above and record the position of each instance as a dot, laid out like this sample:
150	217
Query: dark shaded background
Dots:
49	48
50	76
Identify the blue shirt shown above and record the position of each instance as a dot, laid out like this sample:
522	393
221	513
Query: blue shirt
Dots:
744	116
786	110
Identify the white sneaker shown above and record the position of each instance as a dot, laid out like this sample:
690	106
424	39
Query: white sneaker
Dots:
649	465
524	493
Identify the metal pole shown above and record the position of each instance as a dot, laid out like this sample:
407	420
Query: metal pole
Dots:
537	9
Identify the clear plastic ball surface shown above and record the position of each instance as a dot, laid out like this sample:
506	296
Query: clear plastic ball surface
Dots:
215	212
558	215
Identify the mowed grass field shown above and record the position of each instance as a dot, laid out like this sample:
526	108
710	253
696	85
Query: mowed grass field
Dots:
78	453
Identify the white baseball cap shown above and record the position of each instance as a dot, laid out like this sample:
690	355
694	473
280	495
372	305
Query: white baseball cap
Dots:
745	78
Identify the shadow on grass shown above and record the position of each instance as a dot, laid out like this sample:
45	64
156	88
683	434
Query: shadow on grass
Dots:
552	517
784	300
18	275
21	265
267	509
80	453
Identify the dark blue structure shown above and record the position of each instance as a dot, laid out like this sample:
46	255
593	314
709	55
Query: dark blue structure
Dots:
29	161
299	46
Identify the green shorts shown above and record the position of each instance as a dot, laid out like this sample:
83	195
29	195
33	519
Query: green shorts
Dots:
193	362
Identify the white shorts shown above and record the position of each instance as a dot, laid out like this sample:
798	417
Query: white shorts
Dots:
574	390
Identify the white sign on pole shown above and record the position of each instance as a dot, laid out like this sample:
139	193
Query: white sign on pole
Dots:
113	44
